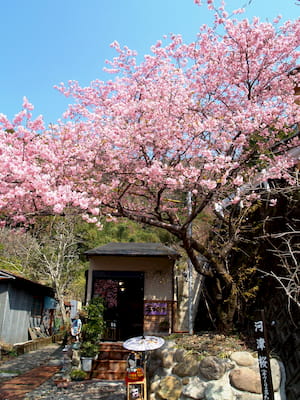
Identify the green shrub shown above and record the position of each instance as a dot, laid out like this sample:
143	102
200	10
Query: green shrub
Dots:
77	375
88	349
93	328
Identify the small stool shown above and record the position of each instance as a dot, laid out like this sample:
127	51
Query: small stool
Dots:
142	383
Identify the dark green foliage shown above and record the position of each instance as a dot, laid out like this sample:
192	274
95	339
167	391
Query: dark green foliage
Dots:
119	231
93	324
88	349
77	375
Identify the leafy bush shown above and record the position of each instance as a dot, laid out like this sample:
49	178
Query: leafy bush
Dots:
94	326
88	349
77	375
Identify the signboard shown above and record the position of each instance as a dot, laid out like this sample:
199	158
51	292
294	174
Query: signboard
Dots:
263	356
49	303
155	308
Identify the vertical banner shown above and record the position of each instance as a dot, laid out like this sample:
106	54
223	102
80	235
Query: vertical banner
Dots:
262	347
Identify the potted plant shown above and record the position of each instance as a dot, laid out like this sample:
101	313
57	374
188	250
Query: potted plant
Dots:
88	349
92	331
77	375
94	324
88	352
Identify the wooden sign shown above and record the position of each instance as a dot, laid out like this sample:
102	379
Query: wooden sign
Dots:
155	308
262	347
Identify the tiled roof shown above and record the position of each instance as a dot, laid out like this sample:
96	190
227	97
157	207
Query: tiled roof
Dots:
134	250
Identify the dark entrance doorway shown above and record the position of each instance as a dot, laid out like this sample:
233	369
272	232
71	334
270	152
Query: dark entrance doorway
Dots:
123	293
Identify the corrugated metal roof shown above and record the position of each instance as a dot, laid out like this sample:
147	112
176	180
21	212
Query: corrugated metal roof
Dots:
9	275
134	250
6	275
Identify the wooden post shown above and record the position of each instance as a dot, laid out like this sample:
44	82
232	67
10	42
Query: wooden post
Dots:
262	347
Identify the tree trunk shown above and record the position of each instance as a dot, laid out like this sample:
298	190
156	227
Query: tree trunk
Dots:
223	289
64	317
226	304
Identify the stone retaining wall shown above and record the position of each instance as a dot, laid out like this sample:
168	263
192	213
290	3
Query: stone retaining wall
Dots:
30	345
177	374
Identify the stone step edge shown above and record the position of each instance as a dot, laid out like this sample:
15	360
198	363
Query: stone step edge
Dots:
101	361
109	377
93	380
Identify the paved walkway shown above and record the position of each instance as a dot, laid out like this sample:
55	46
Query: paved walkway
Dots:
18	387
26	368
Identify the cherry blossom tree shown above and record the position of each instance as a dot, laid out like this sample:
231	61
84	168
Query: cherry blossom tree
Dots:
213	118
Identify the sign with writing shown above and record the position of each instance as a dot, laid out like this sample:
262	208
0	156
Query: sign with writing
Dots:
155	308
260	334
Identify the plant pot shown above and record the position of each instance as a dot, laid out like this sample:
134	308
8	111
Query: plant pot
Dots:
86	363
77	379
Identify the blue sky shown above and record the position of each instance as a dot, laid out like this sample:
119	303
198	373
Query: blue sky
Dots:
45	42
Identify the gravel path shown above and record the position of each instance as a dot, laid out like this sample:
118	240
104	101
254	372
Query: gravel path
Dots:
53	355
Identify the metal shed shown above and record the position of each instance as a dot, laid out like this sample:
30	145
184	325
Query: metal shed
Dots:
22	306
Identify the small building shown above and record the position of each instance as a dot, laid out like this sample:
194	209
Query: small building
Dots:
24	306
136	281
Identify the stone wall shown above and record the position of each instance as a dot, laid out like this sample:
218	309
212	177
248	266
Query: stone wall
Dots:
31	345
177	374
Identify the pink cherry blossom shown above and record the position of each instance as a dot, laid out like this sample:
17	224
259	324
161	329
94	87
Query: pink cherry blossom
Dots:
238	181
236	200
207	118
26	105
273	202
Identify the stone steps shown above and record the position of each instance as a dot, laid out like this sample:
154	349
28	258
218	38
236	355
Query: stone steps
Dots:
111	362
108	375
110	365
